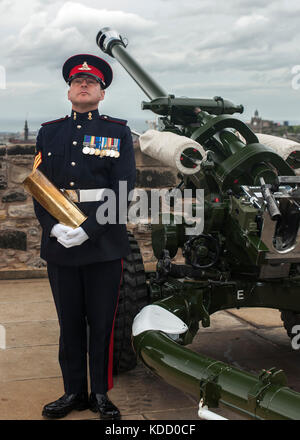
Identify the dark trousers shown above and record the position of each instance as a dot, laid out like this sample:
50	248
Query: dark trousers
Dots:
86	294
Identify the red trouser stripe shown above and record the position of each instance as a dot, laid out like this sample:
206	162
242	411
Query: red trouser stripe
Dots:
111	343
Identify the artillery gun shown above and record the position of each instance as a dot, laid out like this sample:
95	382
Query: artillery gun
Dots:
247	255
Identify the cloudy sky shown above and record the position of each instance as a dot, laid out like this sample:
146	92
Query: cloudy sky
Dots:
241	50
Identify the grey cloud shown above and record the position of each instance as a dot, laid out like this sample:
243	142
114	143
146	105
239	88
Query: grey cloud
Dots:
242	48
49	40
231	8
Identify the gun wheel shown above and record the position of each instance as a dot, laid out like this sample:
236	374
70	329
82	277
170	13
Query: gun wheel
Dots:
290	319
133	297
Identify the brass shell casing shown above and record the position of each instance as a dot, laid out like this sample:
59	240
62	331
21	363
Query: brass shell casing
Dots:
53	200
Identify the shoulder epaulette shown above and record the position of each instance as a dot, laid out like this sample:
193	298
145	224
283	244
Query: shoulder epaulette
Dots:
110	119
55	120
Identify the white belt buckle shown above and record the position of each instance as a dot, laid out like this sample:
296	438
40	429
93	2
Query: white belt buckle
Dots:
91	195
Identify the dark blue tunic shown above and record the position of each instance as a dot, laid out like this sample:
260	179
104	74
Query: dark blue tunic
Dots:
63	162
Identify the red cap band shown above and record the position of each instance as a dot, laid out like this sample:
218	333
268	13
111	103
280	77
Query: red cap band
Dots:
91	70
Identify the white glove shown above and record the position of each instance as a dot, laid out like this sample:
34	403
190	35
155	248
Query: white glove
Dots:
59	230
75	237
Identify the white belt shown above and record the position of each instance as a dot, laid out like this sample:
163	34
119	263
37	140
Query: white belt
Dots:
84	195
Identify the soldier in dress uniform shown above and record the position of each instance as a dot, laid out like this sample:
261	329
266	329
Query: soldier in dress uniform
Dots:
85	152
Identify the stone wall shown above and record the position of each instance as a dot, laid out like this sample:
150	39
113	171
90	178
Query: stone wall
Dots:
20	232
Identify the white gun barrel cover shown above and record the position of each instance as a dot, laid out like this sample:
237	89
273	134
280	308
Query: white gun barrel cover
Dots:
167	147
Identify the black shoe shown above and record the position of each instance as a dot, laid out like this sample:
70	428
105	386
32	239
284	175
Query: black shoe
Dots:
65	404
101	403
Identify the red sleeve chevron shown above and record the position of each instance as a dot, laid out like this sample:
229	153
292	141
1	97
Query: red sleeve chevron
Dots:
37	160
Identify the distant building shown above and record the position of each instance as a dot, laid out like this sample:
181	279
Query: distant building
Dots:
285	130
25	138
260	125
26	131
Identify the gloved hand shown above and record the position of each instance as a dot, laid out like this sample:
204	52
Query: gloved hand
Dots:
59	230
75	237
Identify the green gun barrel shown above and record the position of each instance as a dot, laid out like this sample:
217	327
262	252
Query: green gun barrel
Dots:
263	397
198	375
113	44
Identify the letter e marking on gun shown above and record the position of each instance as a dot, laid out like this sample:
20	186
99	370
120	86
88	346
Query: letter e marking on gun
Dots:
240	295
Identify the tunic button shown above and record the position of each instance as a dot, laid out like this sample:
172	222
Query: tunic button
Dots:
78	126
74	143
73	164
72	183
49	154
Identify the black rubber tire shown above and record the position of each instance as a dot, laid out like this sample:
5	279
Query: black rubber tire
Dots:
133	297
290	319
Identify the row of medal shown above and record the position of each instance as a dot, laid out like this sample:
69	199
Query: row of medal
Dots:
101	146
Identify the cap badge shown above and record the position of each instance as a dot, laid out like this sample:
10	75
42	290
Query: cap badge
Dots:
84	66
